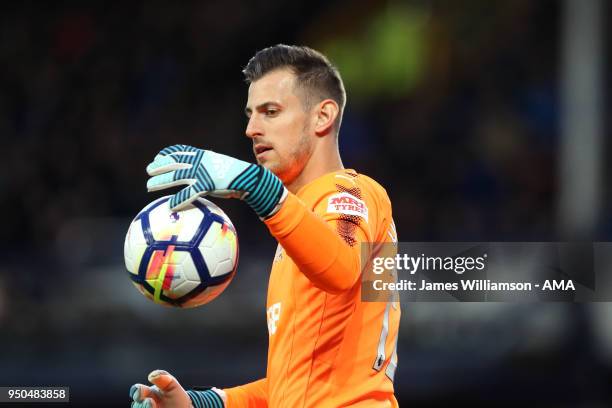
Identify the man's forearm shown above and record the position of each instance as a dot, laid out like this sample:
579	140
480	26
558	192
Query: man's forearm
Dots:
318	251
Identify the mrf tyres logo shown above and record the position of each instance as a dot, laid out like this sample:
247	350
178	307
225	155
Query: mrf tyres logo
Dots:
346	203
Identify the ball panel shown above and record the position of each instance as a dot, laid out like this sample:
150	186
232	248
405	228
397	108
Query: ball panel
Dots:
190	223
182	289
134	246
189	270
175	274
207	295
183	224
215	209
168	269
219	249
210	238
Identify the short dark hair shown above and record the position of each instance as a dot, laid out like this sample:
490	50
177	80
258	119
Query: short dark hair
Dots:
314	73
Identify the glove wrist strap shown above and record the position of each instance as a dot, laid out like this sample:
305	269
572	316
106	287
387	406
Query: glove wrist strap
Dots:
205	399
264	190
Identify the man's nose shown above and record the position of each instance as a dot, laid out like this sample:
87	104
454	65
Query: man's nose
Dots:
253	128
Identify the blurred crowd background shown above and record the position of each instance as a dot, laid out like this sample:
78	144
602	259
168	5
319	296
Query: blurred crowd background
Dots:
459	108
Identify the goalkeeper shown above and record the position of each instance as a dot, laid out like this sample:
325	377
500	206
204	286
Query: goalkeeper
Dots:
326	347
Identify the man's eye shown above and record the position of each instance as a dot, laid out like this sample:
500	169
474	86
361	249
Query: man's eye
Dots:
271	112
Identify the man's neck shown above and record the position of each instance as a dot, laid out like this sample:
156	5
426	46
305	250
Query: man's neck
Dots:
319	164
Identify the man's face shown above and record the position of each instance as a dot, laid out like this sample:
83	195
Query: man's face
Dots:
278	125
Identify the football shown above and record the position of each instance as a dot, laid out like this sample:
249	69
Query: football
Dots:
182	259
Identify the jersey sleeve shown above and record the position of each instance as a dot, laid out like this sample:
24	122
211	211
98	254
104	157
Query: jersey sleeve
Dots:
325	243
251	395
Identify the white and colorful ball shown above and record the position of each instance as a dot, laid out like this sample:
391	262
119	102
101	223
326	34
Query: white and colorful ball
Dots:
182	259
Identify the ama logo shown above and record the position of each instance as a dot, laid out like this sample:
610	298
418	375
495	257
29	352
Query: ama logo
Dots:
345	203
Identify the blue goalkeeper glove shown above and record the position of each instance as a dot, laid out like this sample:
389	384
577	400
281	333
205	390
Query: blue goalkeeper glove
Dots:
168	393
206	172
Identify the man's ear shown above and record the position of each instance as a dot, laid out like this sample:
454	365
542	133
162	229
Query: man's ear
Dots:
326	113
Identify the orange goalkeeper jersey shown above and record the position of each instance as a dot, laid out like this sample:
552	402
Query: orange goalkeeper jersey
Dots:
327	348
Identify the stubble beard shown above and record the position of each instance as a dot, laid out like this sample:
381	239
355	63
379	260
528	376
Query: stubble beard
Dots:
289	170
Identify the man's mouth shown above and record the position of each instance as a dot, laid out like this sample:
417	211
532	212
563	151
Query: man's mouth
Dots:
258	149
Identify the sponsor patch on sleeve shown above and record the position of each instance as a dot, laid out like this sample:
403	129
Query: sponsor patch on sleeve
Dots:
345	203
